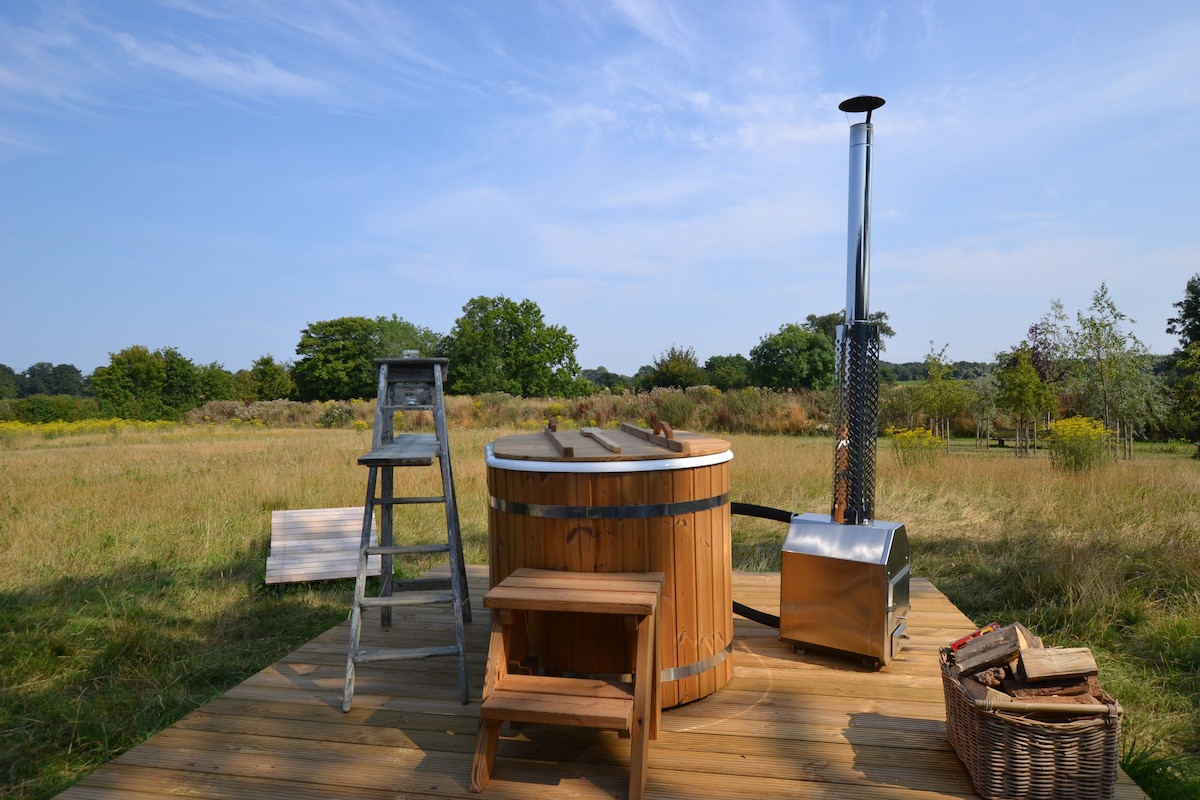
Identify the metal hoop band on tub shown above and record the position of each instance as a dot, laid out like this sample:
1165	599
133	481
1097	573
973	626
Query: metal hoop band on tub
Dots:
645	511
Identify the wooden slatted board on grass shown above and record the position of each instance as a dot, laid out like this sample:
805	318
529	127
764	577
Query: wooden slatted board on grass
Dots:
317	544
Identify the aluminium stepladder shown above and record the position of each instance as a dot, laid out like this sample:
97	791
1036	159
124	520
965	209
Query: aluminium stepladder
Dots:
408	385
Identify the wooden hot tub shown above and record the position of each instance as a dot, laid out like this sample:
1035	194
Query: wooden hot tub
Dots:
627	500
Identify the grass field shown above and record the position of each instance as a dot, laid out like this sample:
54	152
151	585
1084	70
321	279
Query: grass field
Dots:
131	567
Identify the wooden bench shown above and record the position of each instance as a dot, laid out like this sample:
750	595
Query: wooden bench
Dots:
317	544
585	702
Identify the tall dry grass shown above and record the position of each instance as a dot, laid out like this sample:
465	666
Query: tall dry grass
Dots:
131	566
1108	559
131	579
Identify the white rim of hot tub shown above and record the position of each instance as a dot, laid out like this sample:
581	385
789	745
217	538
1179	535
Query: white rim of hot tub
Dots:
647	465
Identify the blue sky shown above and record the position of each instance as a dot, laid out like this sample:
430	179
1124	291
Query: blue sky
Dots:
214	175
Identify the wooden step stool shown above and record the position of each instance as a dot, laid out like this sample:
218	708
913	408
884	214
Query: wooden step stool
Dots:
586	702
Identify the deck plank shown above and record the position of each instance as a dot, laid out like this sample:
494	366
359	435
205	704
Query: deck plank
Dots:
787	726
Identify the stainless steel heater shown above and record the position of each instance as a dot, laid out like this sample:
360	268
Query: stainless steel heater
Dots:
844	578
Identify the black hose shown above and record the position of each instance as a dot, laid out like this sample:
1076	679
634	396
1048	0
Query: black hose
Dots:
754	615
762	512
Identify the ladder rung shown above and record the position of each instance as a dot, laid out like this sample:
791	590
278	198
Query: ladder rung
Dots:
404	654
407	599
406	549
409	408
406	501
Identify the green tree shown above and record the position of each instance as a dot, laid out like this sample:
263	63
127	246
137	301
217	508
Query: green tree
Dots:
1187	324
899	406
337	359
793	358
216	383
969	370
982	397
827	324
244	388
904	372
1049	348
1110	374
52	379
139	384
265	380
130	386
728	372
271	380
181	390
1187	391
1022	392
9	382
499	345
604	379
1182	378
676	368
397	335
940	396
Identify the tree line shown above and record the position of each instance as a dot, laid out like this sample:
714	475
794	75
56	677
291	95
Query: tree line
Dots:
1091	364
497	345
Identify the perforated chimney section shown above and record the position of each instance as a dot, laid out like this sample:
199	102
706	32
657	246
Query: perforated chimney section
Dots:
857	354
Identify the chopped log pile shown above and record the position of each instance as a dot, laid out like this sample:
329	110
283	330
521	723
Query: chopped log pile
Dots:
1008	669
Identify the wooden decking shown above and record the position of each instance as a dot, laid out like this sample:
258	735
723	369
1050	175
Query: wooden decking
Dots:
786	726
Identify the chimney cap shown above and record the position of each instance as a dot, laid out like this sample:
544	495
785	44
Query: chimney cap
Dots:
864	103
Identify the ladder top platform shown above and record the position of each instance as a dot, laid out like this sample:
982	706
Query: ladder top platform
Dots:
406	450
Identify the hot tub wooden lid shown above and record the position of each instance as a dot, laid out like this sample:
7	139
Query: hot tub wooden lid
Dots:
627	443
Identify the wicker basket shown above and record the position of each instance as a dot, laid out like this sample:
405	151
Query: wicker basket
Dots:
1022	758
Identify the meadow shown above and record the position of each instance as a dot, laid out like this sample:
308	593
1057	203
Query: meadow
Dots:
132	560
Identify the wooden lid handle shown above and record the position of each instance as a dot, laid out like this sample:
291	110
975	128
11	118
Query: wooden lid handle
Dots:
661	435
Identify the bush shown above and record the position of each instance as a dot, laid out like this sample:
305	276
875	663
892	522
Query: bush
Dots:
604	409
1078	444
697	408
49	408
500	409
674	407
11	431
336	414
739	408
913	446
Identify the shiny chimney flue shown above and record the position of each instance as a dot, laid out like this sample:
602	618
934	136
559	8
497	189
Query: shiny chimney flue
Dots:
857	341
844	578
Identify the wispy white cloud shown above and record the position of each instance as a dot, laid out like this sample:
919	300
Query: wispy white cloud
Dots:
873	39
587	115
354	30
245	74
1007	266
15	143
47	63
334	54
658	21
